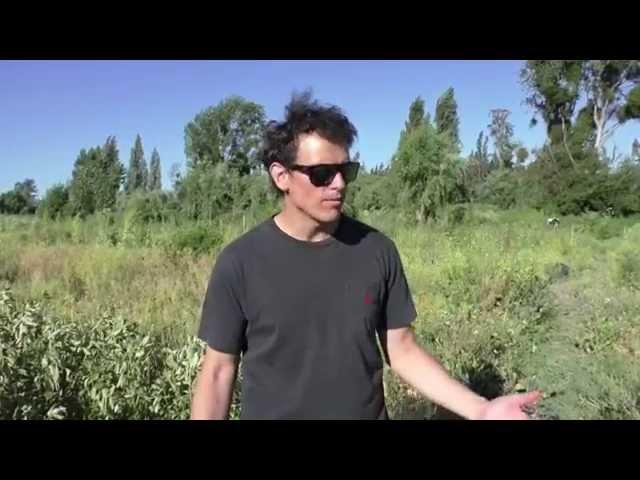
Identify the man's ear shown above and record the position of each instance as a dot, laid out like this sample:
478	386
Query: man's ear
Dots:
280	176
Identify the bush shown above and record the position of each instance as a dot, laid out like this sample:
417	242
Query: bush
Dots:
196	240
500	188
55	203
110	369
453	215
600	228
626	268
144	208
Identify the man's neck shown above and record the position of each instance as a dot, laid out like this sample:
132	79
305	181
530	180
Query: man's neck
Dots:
298	225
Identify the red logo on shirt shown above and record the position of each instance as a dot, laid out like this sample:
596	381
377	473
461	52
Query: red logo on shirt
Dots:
367	299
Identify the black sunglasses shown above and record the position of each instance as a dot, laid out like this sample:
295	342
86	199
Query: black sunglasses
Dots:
322	175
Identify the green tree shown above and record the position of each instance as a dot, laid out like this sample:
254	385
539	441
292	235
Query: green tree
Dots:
20	200
583	133
229	133
27	190
55	201
175	176
612	87
108	175
155	175
81	194
12	202
447	121
96	178
209	191
481	153
553	88
624	188
416	115
477	165
137	168
501	130
144	169
635	151
427	169
521	155
500	188
415	119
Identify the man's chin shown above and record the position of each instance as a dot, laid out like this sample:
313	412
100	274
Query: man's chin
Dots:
328	215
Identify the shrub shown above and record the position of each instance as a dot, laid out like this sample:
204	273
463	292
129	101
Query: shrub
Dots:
626	268
196	240
55	203
51	368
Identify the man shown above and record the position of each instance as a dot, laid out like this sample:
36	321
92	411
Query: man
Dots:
303	295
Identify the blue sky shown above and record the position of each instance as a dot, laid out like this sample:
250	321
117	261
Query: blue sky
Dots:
49	110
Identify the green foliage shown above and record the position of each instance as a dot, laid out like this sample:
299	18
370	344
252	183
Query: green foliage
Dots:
55	202
81	196
500	188
447	121
20	200
415	119
490	303
137	173
501	130
635	151
416	115
109	174
592	186
521	155
453	215
373	192
142	209
553	88
207	193
96	179
427	169
149	207
228	133
477	167
613	86
583	133
51	368
631	109
194	240
625	267
155	174
623	188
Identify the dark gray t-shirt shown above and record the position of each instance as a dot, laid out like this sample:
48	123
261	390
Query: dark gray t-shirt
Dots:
304	316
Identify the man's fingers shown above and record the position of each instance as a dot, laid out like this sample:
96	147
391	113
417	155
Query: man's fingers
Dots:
528	398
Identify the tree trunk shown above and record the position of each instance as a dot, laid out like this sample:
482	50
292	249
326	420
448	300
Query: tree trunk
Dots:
566	147
599	118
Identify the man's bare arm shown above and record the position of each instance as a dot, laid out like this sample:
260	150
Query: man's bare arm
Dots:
214	387
421	370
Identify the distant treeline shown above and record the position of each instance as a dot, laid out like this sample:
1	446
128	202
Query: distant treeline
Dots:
580	102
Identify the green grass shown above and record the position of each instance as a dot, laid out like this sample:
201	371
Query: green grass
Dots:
504	301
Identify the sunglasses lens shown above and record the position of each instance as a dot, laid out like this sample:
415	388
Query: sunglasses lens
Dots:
322	175
350	171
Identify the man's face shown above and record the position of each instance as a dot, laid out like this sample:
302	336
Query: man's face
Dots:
321	203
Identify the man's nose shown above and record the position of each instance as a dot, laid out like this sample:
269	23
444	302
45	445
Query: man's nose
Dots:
338	182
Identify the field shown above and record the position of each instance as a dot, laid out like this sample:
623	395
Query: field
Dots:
97	317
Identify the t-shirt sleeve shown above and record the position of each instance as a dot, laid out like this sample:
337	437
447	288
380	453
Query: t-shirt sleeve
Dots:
223	322
399	309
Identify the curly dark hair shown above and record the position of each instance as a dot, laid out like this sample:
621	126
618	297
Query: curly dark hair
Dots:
304	115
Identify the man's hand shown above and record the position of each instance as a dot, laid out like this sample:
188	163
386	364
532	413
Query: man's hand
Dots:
509	407
421	370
